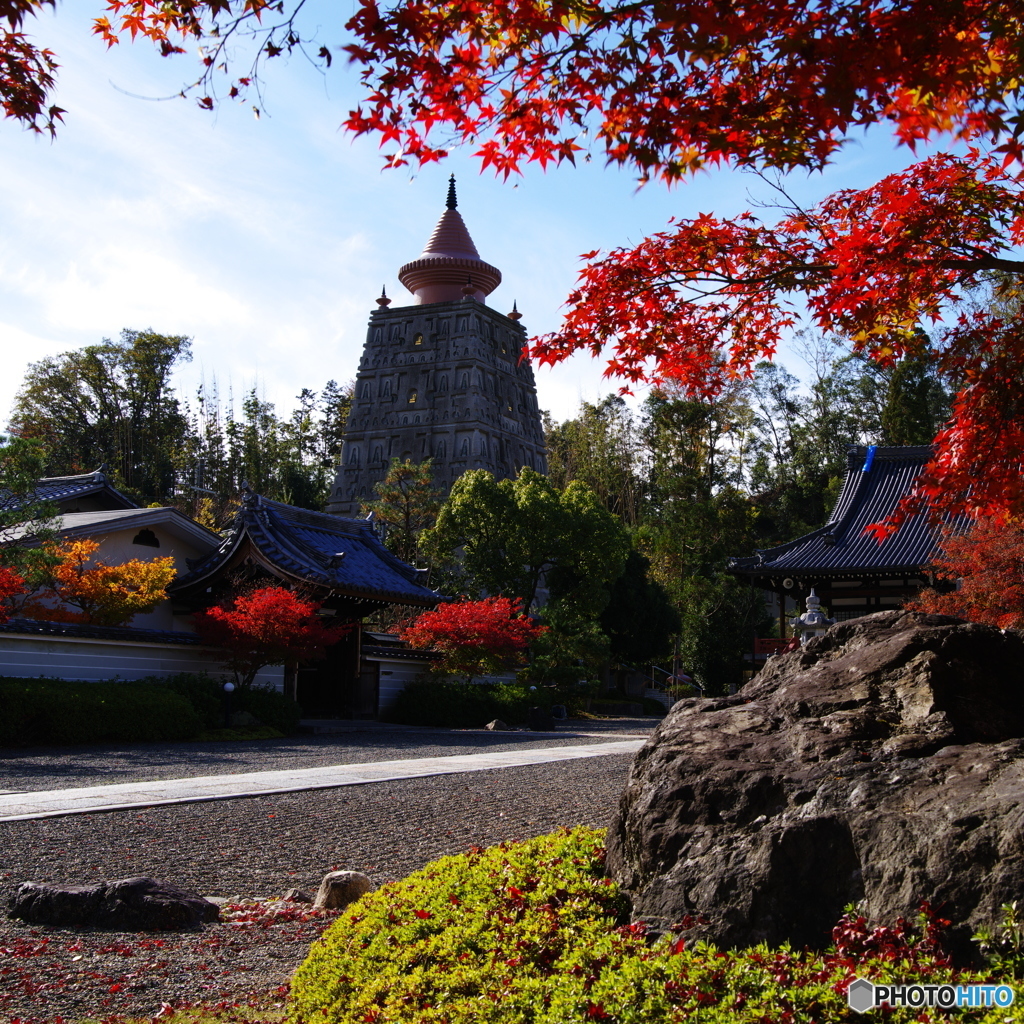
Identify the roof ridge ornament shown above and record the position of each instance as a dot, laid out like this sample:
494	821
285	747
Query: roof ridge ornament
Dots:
250	499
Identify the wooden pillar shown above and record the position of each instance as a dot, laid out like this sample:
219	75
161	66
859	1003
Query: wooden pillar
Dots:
291	680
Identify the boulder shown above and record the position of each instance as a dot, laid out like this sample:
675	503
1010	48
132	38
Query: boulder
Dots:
340	888
881	764
127	905
498	726
297	896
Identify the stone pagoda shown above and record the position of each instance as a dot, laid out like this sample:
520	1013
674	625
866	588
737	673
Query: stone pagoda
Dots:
441	378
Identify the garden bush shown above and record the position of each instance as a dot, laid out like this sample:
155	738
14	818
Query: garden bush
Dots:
532	933
42	711
206	695
654	707
153	710
456	705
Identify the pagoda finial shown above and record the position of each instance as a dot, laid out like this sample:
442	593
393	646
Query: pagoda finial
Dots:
515	314
383	301
439	272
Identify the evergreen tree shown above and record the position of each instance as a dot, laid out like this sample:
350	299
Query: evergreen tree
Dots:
600	448
407	503
110	404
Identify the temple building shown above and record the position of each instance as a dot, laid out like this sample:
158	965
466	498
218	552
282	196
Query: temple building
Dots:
441	378
850	571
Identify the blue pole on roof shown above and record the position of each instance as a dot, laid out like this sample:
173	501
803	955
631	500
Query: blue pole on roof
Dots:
868	459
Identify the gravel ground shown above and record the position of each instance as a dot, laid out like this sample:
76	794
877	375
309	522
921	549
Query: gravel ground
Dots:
33	769
256	847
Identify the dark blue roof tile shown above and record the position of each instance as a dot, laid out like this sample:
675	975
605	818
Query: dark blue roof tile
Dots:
876	479
344	555
62	489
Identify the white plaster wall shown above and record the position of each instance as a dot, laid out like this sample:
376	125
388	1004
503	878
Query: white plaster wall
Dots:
26	656
395	675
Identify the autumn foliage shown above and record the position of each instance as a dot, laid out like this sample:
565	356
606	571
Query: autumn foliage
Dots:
11	584
475	637
270	626
98	594
668	89
986	562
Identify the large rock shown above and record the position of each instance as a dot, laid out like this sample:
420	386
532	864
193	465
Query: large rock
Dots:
128	905
882	763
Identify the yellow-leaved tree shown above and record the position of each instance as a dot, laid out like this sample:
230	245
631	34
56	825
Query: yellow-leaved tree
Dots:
79	589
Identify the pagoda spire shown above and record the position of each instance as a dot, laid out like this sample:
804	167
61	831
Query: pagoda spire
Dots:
448	259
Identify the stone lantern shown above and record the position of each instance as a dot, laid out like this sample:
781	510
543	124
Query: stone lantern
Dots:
813	621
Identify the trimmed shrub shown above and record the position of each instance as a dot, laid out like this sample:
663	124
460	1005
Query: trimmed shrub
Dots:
206	695
153	710
273	709
465	705
531	933
654	707
41	711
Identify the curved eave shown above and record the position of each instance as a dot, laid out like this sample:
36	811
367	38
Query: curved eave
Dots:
767	572
257	542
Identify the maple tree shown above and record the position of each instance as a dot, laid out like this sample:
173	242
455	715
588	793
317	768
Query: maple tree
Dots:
269	626
986	561
11	584
668	89
475	637
98	594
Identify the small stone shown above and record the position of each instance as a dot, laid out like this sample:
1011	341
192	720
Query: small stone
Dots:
498	726
340	888
297	896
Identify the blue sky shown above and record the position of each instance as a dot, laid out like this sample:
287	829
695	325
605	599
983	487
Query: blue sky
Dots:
268	240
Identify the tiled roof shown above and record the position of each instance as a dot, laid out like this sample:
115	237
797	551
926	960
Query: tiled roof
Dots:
93	523
36	627
66	488
876	479
342	555
399	653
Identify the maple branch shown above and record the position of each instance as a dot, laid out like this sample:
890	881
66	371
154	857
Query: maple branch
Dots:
983	262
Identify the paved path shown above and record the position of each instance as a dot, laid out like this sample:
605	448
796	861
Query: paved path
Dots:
124	796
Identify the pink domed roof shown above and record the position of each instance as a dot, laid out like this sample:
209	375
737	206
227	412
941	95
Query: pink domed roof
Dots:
449	263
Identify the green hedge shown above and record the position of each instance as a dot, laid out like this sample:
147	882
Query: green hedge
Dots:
43	711
465	705
182	707
532	933
206	696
